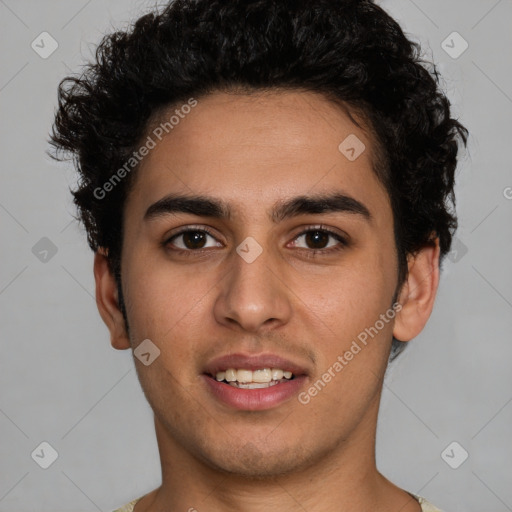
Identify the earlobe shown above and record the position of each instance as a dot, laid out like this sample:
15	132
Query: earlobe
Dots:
107	302
418	293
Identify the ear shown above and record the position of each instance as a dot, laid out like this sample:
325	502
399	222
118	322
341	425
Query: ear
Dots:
107	301
418	292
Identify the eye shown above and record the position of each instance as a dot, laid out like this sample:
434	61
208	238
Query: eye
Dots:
320	240
192	239
315	240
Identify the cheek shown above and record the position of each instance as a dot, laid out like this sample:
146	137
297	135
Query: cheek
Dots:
167	303
353	341
353	297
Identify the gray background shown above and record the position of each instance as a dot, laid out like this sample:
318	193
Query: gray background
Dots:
61	381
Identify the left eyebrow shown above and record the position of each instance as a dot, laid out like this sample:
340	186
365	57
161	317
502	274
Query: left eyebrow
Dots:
328	203
204	206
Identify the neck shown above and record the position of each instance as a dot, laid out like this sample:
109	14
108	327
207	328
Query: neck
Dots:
345	479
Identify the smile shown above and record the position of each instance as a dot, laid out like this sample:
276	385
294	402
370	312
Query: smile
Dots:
253	379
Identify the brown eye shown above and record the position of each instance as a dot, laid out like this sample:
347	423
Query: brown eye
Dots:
191	240
319	240
194	239
316	239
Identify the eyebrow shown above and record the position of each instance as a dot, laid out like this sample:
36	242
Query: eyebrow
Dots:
204	206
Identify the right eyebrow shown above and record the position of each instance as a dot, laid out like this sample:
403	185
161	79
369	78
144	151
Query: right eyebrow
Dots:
195	205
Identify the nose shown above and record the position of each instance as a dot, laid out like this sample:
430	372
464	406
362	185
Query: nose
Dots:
254	295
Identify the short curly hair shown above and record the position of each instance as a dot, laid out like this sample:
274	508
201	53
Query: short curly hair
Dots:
351	51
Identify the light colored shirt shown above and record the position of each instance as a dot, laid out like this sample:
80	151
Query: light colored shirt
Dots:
425	505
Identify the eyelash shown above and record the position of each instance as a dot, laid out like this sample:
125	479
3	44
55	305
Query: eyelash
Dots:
310	253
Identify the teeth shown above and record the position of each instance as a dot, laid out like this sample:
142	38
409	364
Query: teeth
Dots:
256	379
264	375
253	385
230	375
244	375
277	374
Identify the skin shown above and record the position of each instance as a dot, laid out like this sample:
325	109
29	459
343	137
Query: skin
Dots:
252	151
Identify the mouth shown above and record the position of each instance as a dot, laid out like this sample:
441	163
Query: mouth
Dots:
253	382
257	379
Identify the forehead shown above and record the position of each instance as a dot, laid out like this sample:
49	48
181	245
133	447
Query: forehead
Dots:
259	148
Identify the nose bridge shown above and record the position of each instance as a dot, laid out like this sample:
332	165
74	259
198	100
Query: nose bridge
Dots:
253	294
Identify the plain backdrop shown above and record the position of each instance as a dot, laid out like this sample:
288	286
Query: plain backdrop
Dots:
62	383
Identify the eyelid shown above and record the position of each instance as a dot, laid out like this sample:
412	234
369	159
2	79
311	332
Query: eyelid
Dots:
322	227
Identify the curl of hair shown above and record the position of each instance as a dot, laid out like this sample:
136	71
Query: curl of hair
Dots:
351	51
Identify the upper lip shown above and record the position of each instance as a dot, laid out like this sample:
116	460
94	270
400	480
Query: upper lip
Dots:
253	362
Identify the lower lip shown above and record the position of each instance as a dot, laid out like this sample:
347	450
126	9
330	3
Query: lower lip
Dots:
254	399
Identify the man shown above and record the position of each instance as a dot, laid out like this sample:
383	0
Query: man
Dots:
268	189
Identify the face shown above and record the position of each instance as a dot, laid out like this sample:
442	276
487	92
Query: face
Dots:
267	277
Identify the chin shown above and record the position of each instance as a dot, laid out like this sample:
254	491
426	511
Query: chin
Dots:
249	461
